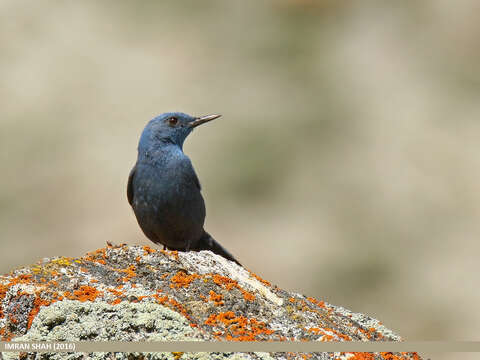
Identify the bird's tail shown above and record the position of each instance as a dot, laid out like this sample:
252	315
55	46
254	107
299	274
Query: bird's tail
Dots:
207	242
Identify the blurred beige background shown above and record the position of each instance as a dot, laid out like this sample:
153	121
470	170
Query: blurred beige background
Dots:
345	166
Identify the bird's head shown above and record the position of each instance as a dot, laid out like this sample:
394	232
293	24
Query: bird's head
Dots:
172	127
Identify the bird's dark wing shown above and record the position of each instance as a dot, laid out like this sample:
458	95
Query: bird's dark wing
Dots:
130	185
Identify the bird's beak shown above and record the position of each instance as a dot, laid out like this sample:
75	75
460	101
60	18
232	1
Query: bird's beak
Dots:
203	120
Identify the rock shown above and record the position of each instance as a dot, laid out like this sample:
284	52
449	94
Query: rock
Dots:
134	293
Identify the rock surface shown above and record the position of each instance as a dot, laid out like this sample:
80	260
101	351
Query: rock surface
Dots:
134	293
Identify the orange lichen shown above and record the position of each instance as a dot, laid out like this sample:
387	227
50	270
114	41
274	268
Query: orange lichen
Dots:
148	250
181	279
325	336
84	293
328	337
177	355
224	281
370	333
292	300
362	356
130	272
363	331
115	292
165	300
99	256
230	284
37	303
179	307
316	302
216	298
340	335
246	295
225	317
173	253
21	279
239	328
391	356
160	299
3	291
384	355
265	282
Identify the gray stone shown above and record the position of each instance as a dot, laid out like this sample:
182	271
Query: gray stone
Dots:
134	293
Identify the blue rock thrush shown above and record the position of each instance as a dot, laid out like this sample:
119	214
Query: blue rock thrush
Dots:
164	190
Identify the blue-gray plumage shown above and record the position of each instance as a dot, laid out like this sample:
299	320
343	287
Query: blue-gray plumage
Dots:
164	190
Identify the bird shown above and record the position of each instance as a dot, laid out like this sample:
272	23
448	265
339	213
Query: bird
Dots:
163	188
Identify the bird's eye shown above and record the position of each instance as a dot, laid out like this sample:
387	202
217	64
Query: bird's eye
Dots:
172	121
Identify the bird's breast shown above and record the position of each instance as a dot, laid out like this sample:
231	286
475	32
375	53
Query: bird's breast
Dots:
167	203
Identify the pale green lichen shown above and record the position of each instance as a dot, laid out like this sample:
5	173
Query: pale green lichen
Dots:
73	321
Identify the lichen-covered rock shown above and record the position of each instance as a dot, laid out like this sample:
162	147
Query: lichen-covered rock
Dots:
134	293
